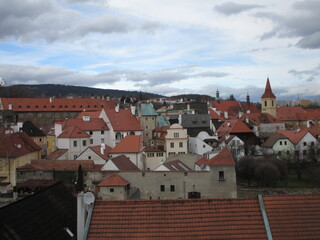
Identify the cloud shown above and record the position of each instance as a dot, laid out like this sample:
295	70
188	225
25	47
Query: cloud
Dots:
307	75
302	23
229	8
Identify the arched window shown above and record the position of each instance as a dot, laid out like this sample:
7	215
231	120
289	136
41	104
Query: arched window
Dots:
265	103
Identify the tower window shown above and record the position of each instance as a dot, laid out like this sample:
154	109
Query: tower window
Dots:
265	103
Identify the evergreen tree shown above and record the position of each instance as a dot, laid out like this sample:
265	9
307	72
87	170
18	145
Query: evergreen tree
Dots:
79	185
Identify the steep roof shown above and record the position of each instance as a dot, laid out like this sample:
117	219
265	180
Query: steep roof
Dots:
234	107
273	138
32	130
286	113
94	124
123	163
55	104
130	144
268	91
214	115
294	136
290	217
17	144
43	215
148	110
114	180
261	118
232	127
224	158
97	150
123	120
73	132
60	165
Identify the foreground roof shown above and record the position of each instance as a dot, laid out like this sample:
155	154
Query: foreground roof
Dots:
290	217
224	158
43	215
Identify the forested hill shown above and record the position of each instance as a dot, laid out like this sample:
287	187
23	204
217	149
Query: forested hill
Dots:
50	90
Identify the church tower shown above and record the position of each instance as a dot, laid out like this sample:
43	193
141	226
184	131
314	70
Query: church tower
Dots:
268	101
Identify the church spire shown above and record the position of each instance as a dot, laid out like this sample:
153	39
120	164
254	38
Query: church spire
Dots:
248	98
268	91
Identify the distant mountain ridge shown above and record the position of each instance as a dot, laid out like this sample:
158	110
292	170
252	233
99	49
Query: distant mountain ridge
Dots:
62	91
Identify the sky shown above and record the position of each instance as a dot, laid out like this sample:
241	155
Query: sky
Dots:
163	46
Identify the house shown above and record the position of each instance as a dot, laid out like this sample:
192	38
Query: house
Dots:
153	157
235	145
232	109
148	120
16	150
202	143
196	123
130	146
99	154
216	119
158	137
303	141
48	214
114	187
44	111
176	140
277	143
120	163
293	217
122	122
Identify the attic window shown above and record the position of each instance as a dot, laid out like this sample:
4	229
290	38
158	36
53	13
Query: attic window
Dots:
28	106
81	106
60	106
95	106
52	106
19	106
88	106
44	106
66	106
74	106
37	106
101	106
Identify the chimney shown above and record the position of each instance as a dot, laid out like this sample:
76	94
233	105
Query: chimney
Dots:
57	128
51	99
117	108
10	106
102	148
226	115
247	119
133	110
240	114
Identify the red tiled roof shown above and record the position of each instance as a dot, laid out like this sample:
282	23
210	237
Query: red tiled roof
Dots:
177	219
17	144
268	91
56	154
123	120
57	104
261	118
163	132
95	114
130	144
214	115
123	163
286	113
294	216
61	165
73	132
234	107
97	150
224	158
114	180
95	124
290	217
232	127
294	136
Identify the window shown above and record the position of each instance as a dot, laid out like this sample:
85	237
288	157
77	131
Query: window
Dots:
172	188
102	140
176	135
40	139
150	154
204	146
75	143
285	142
172	145
272	103
312	143
91	141
304	143
221	175
160	154
91	132
84	143
111	189
75	157
180	144
265	103
280	142
162	188
102	132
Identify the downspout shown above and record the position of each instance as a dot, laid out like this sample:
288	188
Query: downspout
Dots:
265	217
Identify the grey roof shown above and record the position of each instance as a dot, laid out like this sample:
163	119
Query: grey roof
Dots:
272	139
148	110
176	165
195	120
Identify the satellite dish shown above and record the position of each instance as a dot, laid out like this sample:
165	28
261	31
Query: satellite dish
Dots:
88	198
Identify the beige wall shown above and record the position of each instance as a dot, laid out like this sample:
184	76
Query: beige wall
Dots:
118	193
176	140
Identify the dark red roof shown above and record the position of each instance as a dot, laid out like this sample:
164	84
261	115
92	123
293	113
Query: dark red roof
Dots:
290	217
268	91
56	104
130	144
124	163
73	132
114	180
61	165
56	154
233	126
123	120
17	144
224	158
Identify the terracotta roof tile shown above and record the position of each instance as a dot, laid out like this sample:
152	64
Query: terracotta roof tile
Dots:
73	132
214	115
95	124
97	150
224	158
294	136
124	163
261	118
113	180
232	127
56	154
16	145
123	120
130	144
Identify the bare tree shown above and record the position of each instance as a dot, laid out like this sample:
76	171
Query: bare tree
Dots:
267	174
